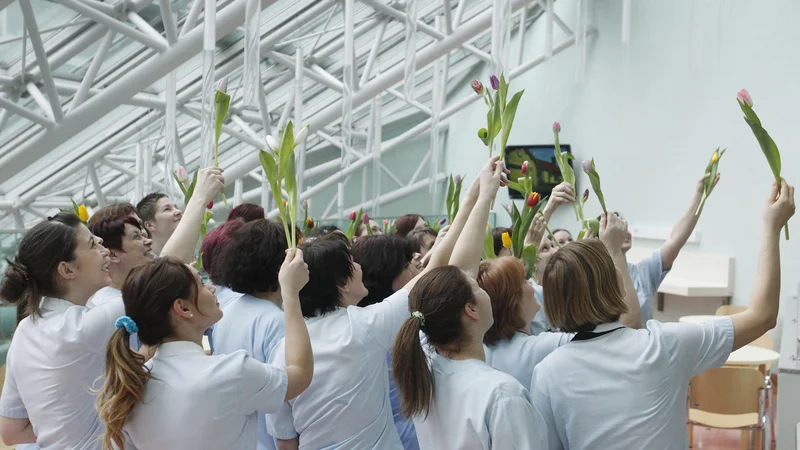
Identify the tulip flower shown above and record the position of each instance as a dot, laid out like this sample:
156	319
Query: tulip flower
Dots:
556	127
495	82
525	167
457	178
442	221
585	195
587	166
310	223
210	204
477	86
365	219
533	199
507	240
83	214
386	223
744	97
182	174
272	143
222	86
301	136
715	157
305	204
508	208
352	216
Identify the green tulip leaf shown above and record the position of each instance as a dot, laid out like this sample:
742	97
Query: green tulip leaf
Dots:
222	102
508	119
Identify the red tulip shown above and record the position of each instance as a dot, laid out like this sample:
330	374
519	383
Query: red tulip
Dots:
352	216
210	204
585	195
525	167
310	224
533	199
365	219
477	87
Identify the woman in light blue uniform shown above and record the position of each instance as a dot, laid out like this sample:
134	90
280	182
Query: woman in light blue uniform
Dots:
388	262
253	322
181	398
614	387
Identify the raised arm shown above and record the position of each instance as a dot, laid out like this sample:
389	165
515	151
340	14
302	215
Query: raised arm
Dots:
183	242
299	359
467	252
683	227
762	312
560	195
612	233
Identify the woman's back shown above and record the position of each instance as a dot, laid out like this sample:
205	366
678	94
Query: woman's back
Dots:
627	388
520	354
217	397
477	407
53	363
347	405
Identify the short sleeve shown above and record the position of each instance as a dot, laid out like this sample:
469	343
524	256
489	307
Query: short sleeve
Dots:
96	325
11	405
699	347
514	423
650	272
540	399
263	386
383	320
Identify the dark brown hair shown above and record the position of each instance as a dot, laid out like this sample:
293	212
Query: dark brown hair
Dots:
112	229
33	272
383	257
418	238
109	211
582	287
502	279
213	244
440	297
147	206
251	261
149	292
405	224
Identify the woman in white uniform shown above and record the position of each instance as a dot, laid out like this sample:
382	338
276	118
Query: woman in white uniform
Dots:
614	387
57	351
455	398
347	405
254	321
181	398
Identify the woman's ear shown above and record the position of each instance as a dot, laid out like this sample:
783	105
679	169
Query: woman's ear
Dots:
65	270
181	309
471	312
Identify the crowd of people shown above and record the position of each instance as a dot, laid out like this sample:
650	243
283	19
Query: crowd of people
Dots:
404	340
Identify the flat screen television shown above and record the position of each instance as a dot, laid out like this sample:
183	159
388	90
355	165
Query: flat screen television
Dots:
542	159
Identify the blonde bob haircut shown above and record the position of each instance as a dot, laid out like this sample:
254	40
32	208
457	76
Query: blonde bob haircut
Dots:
581	287
502	279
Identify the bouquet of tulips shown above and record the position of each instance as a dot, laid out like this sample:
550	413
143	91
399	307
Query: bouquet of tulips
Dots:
78	210
354	223
711	171
279	166
766	143
453	197
500	117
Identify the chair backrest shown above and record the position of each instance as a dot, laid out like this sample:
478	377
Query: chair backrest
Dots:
727	390
764	341
729	310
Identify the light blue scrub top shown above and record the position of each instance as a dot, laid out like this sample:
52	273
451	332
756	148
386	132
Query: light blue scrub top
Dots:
647	275
255	326
540	323
405	426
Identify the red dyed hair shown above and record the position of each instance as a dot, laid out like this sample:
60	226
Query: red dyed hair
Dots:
247	212
215	241
502	279
406	224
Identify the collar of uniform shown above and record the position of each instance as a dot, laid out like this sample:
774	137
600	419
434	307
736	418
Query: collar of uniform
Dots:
56	304
607	327
178	348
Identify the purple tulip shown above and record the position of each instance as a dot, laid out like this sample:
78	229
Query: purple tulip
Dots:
365	219
442	221
495	82
457	178
587	166
223	85
556	127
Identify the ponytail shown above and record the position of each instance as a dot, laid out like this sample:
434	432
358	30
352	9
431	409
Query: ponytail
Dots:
412	375
125	380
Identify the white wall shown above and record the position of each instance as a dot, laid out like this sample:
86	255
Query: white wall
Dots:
652	112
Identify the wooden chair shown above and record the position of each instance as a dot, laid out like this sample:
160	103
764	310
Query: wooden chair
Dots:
729	398
729	310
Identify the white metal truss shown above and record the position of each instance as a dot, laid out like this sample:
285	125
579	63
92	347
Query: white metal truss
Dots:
106	98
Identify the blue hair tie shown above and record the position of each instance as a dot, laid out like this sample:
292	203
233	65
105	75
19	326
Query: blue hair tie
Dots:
128	323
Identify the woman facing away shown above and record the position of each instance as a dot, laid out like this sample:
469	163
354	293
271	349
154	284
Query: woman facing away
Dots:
455	398
250	264
181	398
615	387
212	249
347	405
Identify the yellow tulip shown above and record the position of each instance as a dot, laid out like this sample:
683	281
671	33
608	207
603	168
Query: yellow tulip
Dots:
83	214
714	157
507	240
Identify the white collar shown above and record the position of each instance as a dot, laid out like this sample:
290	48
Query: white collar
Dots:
603	327
178	348
56	304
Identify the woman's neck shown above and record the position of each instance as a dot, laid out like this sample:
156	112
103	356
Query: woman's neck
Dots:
468	349
197	338
274	296
78	298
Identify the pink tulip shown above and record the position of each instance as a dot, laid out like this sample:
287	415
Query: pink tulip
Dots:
556	127
744	97
525	167
508	208
223	85
477	87
365	219
495	82
587	166
386	223
457	178
352	216
585	195
181	174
